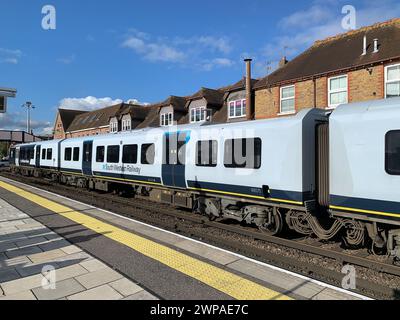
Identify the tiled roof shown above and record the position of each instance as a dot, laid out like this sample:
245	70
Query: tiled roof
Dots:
67	116
340	53
213	97
93	119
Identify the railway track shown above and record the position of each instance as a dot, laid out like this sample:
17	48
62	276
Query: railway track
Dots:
320	261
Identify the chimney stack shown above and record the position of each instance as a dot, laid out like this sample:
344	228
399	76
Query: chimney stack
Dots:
364	46
282	62
249	95
376	46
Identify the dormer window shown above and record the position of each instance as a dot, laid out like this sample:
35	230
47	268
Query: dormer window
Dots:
166	119
237	109
126	125
198	114
113	126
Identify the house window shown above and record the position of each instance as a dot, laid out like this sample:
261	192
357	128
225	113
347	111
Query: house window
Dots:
287	99
166	119
126	125
198	114
113	127
392	81
337	91
237	108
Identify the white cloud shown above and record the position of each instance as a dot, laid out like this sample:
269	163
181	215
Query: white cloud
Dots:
17	121
87	104
10	56
92	103
321	20
202	52
305	18
209	65
154	51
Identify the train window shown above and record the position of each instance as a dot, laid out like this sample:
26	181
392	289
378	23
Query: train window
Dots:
206	153
129	153
392	152
43	154
76	154
148	152
49	154
243	153
113	154
100	154
68	154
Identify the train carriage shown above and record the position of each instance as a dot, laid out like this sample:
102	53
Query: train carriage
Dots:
318	172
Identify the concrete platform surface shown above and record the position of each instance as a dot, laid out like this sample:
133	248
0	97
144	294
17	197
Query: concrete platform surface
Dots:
38	228
29	250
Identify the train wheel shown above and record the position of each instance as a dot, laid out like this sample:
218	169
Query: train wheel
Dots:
273	225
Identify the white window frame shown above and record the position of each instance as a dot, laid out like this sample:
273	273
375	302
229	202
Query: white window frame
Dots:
289	98
165	120
242	101
386	74
333	106
114	127
203	111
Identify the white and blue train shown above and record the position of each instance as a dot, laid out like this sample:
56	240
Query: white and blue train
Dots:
319	172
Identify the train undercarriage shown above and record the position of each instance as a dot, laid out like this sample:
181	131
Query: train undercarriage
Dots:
271	218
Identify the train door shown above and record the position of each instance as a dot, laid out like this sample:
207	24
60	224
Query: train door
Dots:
87	158
37	157
174	158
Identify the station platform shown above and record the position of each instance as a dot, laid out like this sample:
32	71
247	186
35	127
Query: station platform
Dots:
97	254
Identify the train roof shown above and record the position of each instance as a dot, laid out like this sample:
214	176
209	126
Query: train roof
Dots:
234	125
386	108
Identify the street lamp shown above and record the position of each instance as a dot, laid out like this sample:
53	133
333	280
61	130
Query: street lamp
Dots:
28	105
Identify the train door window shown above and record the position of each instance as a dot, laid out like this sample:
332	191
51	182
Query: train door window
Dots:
76	154
148	153
129	153
68	154
49	153
100	154
207	153
113	154
243	153
392	152
44	154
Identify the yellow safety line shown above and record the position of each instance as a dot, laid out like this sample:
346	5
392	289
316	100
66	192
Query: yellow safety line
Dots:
222	280
248	196
366	211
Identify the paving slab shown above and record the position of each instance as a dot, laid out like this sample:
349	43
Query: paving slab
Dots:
99	277
103	292
125	287
62	289
24	295
22	284
142	295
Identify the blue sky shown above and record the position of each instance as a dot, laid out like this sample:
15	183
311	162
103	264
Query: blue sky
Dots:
103	51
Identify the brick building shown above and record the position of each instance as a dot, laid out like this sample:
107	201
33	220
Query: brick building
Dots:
360	65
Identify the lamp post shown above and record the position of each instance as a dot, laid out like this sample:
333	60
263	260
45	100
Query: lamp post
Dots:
28	105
